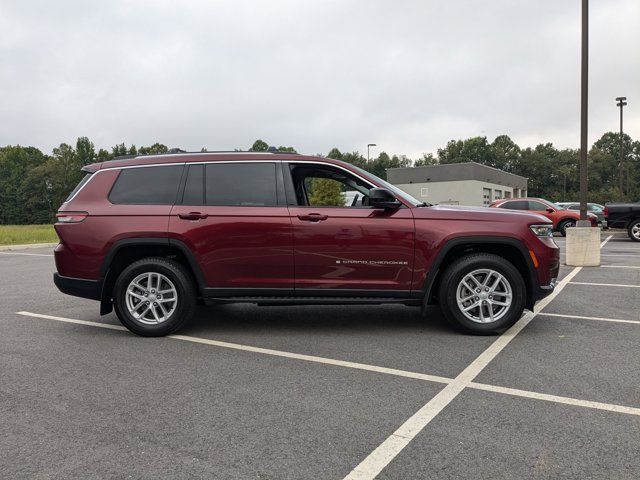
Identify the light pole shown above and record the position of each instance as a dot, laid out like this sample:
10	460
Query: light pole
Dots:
584	85
621	103
368	146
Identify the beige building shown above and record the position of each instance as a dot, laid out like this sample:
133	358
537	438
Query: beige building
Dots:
467	183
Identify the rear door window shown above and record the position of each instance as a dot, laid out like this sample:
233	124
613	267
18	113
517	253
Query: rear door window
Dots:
147	186
194	186
244	184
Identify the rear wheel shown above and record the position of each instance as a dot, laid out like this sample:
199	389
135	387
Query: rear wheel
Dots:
562	228
634	231
482	294
154	297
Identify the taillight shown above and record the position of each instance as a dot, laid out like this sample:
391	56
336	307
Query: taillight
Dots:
606	211
71	217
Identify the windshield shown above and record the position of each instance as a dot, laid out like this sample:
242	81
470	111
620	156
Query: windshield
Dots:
559	206
401	193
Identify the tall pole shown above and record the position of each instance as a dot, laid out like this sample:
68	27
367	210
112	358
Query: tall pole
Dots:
584	97
621	103
369	145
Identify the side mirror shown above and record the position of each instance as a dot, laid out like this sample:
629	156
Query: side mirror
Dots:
550	210
383	198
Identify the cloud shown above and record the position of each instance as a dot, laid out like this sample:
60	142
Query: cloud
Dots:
407	75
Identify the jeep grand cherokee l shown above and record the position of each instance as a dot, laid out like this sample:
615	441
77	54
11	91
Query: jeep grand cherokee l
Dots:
152	236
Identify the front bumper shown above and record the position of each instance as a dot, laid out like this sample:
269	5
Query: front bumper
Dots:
78	287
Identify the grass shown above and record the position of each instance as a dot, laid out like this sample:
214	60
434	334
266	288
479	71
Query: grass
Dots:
24	234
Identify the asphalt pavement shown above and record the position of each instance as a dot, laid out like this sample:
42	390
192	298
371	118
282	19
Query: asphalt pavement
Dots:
250	392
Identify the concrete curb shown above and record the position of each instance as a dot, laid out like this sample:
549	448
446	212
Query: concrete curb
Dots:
29	245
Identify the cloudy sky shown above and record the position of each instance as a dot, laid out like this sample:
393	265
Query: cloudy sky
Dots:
407	75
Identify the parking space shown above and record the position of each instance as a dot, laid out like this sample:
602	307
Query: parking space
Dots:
322	392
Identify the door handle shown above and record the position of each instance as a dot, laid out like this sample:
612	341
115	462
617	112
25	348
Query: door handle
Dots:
313	217
193	216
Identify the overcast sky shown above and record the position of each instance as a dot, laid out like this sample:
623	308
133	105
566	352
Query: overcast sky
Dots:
407	75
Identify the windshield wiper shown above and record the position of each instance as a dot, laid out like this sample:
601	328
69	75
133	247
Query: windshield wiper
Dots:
424	204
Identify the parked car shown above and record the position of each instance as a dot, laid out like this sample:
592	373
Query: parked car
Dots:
561	218
624	215
595	208
152	236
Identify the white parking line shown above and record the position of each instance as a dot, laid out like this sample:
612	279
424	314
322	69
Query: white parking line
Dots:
265	351
28	254
582	317
618	266
372	368
556	399
605	284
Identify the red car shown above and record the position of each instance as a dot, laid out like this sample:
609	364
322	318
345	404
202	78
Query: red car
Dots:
153	236
561	218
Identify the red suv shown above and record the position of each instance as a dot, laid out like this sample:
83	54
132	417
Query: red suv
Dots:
561	217
153	236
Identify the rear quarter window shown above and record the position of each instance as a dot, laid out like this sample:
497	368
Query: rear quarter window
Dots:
81	184
147	186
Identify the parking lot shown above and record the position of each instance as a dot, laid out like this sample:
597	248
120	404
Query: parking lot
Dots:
322	392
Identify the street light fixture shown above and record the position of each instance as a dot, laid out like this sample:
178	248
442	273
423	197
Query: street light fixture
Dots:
621	103
369	145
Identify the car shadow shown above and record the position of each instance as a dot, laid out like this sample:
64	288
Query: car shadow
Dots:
244	318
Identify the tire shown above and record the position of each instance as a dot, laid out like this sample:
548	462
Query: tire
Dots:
167	308
634	230
562	228
451	286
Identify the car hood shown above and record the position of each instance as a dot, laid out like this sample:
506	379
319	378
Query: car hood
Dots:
483	214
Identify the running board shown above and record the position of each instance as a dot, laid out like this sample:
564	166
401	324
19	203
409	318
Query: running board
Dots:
313	300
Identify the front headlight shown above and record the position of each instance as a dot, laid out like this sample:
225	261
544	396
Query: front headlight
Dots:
545	230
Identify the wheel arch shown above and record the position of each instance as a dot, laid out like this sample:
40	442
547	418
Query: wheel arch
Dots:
126	251
510	249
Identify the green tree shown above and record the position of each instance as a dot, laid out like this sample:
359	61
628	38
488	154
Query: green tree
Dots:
259	146
325	192
425	160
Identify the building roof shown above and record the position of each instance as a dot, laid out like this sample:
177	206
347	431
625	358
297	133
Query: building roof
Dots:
454	172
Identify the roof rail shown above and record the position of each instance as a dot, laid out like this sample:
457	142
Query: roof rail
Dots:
178	151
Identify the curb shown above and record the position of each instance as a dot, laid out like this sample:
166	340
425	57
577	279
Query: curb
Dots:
29	245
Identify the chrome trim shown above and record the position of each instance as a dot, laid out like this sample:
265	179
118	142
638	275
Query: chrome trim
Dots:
368	182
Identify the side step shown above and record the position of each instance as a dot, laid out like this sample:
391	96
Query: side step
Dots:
313	300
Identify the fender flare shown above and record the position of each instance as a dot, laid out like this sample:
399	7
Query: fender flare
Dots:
531	282
105	300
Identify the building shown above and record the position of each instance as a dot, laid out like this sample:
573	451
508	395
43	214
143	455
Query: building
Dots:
467	183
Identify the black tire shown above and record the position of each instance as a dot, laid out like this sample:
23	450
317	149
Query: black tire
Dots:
454	275
562	227
632	225
184	286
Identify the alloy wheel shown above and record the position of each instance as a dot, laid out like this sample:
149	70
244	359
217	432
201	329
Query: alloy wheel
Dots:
484	296
151	298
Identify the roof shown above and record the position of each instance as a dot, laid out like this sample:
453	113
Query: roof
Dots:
454	172
183	157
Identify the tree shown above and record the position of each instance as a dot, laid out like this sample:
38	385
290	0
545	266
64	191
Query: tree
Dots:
155	149
259	146
426	159
85	151
325	192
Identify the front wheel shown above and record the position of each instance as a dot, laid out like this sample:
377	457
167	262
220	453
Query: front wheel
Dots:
634	231
564	225
482	294
154	297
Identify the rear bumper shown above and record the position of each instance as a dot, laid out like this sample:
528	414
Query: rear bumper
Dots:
78	287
